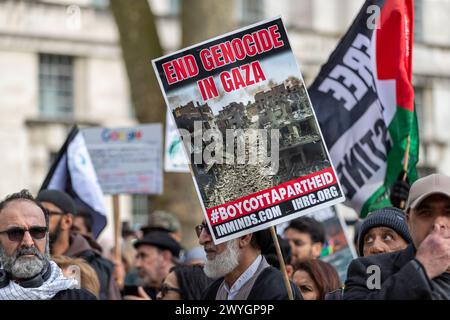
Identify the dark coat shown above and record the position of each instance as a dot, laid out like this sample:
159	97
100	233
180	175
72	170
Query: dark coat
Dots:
74	294
268	286
402	278
80	247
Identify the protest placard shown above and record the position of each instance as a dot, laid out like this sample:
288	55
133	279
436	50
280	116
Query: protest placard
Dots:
338	249
127	160
246	121
175	159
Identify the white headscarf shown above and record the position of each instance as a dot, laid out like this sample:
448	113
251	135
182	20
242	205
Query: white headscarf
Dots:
55	283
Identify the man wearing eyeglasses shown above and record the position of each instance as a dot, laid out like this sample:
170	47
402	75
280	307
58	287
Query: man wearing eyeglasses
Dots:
240	270
64	241
27	272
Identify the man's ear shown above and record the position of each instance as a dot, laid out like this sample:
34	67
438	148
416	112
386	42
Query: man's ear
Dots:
177	236
408	216
316	250
245	240
167	255
67	221
289	271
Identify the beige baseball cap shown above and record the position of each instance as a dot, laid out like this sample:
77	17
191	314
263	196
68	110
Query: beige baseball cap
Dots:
162	220
424	187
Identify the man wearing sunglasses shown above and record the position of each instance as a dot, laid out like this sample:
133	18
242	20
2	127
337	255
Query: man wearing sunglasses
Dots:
240	270
64	241
27	273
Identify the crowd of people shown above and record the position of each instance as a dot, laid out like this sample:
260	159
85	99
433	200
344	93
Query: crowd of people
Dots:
47	252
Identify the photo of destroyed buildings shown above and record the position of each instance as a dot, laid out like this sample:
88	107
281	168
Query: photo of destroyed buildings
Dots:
281	106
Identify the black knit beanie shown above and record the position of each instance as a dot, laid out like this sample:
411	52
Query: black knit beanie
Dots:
59	198
387	217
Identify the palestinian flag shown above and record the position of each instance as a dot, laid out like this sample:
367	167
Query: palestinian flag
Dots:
364	100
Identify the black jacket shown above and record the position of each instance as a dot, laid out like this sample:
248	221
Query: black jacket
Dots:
402	278
80	247
268	286
74	294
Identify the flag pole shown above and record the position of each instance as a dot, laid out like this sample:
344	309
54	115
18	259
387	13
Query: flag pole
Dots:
405	167
117	228
282	265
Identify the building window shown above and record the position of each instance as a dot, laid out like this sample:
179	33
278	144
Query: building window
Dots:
56	98
251	10
420	111
140	208
174	7
423	171
418	20
426	164
52	158
100	4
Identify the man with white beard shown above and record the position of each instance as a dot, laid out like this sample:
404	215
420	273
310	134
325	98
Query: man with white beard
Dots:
26	272
240	270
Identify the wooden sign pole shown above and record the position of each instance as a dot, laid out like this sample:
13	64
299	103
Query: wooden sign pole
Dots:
282	265
405	168
117	228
